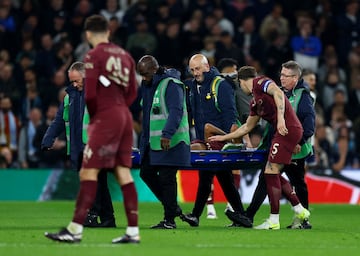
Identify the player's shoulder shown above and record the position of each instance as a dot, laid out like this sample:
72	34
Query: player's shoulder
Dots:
105	51
262	80
108	49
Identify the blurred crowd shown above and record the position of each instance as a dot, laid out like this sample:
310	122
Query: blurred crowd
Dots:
39	39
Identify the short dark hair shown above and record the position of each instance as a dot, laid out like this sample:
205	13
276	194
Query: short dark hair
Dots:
247	72
147	65
307	71
96	23
227	62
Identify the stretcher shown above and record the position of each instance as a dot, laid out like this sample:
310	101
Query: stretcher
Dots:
245	159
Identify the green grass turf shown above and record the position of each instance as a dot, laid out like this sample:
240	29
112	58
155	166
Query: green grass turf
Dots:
336	231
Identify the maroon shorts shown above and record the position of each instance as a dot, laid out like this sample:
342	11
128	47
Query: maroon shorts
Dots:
282	147
110	140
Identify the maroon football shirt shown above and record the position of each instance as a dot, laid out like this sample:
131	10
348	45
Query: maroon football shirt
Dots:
263	104
110	78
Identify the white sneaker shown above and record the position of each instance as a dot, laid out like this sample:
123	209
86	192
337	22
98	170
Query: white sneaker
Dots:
211	212
64	235
126	239
303	215
296	224
268	225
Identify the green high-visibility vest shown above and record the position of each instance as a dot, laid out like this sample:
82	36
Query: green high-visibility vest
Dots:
264	142
86	121
306	148
159	115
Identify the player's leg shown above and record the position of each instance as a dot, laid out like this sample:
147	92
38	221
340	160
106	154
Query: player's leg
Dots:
211	130
102	207
301	213
281	150
126	182
125	179
85	199
273	187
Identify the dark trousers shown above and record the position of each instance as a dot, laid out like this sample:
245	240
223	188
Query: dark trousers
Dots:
226	182
296	174
162	182
258	196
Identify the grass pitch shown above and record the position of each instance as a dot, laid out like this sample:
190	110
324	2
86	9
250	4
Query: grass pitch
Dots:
336	231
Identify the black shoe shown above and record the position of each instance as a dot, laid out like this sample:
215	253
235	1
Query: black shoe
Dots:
306	225
126	239
109	223
233	225
191	219
251	218
238	218
64	236
164	224
300	225
91	221
178	211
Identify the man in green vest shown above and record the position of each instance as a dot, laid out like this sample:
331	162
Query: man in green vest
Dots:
73	118
165	138
298	93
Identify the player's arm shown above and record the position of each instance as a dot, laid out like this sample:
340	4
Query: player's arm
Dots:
131	92
251	122
279	98
91	79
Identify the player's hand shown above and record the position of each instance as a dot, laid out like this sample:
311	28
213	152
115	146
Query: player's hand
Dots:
165	143
281	127
216	138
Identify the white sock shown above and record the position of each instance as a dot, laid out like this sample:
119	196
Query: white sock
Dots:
229	207
75	228
132	231
298	208
211	208
274	218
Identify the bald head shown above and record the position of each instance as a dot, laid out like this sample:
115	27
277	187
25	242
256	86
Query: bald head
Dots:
199	64
147	67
